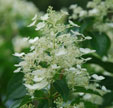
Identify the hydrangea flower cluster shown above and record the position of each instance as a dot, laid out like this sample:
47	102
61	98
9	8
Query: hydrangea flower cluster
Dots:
54	55
98	9
13	14
101	11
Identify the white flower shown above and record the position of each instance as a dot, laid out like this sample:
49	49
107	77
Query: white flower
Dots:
61	52
19	54
17	70
31	41
32	24
88	37
45	17
64	12
79	66
76	33
86	50
81	93
93	12
87	96
105	89
95	76
37	86
83	13
73	24
34	18
54	66
38	79
40	25
38	72
72	69
87	59
32	48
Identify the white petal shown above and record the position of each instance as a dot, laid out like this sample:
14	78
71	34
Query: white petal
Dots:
38	79
34	18
73	24
38	72
32	24
87	59
86	50
40	25
31	41
88	37
19	54
55	66
62	52
64	12
32	48
45	17
37	86
104	88
72	69
79	66
17	70
87	96
95	76
93	11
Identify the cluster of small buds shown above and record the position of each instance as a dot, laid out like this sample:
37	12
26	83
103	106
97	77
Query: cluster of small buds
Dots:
27	106
61	104
55	52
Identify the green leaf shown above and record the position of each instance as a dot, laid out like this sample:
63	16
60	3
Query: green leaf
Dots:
108	100
86	90
62	88
107	82
87	104
20	102
41	94
95	60
43	104
100	42
15	88
86	24
90	105
16	104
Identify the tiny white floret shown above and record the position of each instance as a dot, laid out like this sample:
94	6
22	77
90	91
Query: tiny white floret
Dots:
31	41
45	17
34	18
40	25
95	76
32	24
19	54
73	24
86	50
17	70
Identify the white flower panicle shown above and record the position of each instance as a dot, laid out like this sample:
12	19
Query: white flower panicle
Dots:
56	52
